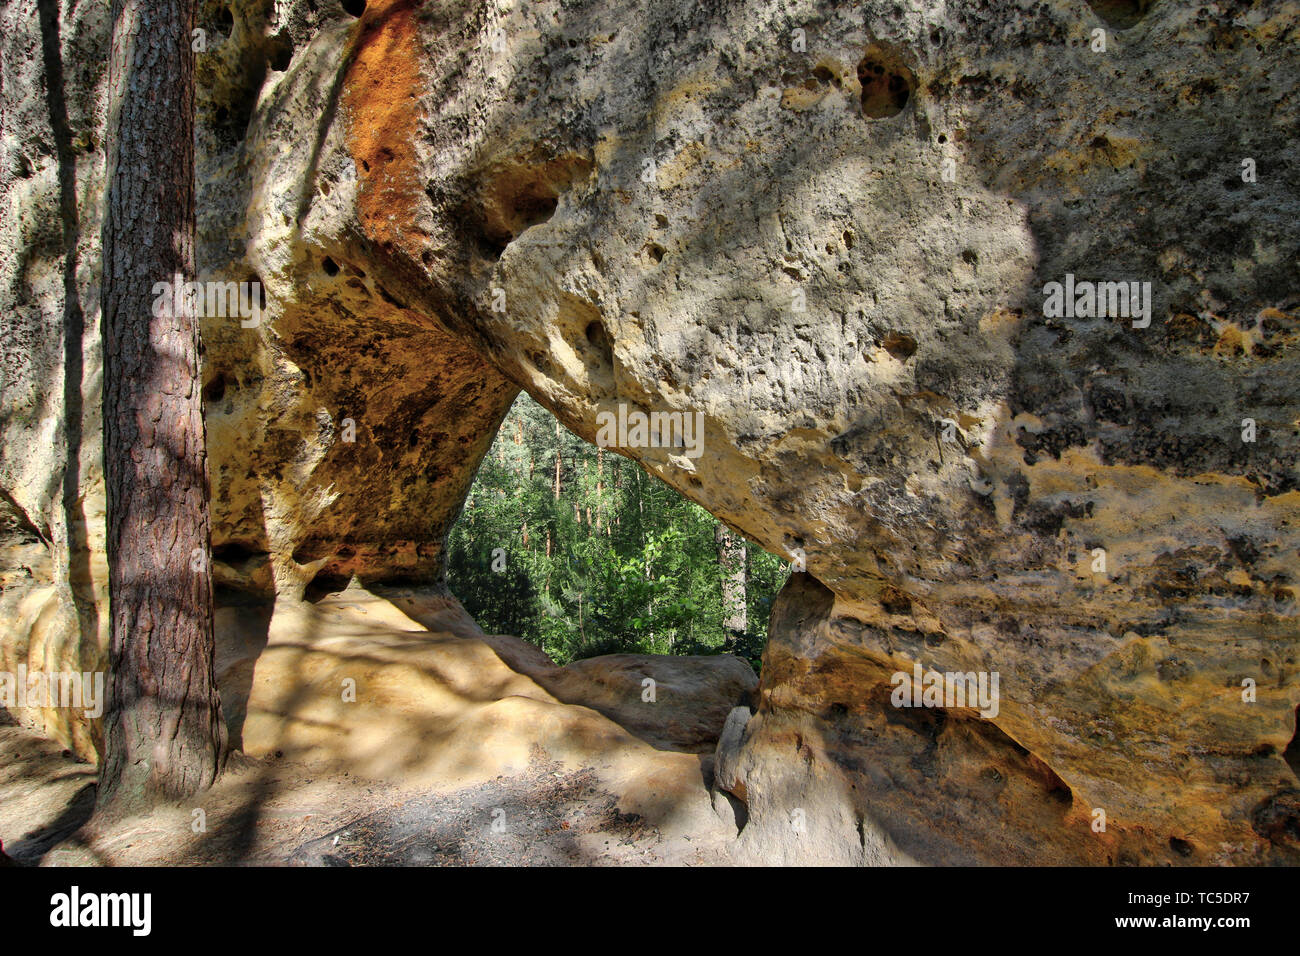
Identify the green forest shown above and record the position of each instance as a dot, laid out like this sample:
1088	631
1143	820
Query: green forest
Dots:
579	551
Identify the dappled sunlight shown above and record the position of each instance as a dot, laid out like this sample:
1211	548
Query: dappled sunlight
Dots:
441	727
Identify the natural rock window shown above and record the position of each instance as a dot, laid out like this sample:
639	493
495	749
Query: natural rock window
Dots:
886	84
579	551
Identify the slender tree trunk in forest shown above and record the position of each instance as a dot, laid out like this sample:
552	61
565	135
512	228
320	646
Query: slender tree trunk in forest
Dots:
600	486
586	493
163	729
557	461
732	559
618	486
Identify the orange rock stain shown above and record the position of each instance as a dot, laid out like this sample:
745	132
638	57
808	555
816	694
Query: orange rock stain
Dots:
381	97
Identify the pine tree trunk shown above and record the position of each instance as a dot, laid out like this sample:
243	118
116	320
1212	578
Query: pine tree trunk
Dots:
557	461
600	486
732	558
163	728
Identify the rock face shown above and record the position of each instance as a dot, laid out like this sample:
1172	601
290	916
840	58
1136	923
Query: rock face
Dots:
356	682
672	703
829	229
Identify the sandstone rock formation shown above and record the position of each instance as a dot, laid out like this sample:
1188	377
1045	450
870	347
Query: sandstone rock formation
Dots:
828	228
404	687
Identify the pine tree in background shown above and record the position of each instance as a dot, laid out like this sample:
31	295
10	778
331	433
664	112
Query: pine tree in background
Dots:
590	555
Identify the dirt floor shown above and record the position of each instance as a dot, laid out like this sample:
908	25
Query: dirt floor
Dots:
276	812
454	754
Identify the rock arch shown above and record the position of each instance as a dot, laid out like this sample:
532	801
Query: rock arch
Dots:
855	308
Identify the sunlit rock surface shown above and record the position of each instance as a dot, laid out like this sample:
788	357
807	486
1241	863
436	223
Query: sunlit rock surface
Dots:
826	227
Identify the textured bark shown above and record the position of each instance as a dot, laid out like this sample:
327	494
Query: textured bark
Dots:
164	731
557	461
732	559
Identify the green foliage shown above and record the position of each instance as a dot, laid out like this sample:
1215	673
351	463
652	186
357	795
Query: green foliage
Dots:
618	562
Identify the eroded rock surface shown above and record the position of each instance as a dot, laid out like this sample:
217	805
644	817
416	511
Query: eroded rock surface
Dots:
827	228
356	684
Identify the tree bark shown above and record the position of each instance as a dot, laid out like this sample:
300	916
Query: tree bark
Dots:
557	461
600	490
732	558
164	732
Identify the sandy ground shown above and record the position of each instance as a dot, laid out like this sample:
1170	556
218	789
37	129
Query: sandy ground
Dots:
453	755
276	812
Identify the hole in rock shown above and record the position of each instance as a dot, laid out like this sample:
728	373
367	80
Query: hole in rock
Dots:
235	552
1180	846
532	208
900	346
1121	14
330	266
519	194
215	390
280	54
1277	818
329	579
232	96
895	601
581	552
740	811
1292	753
597	336
354	8
255	282
886	83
